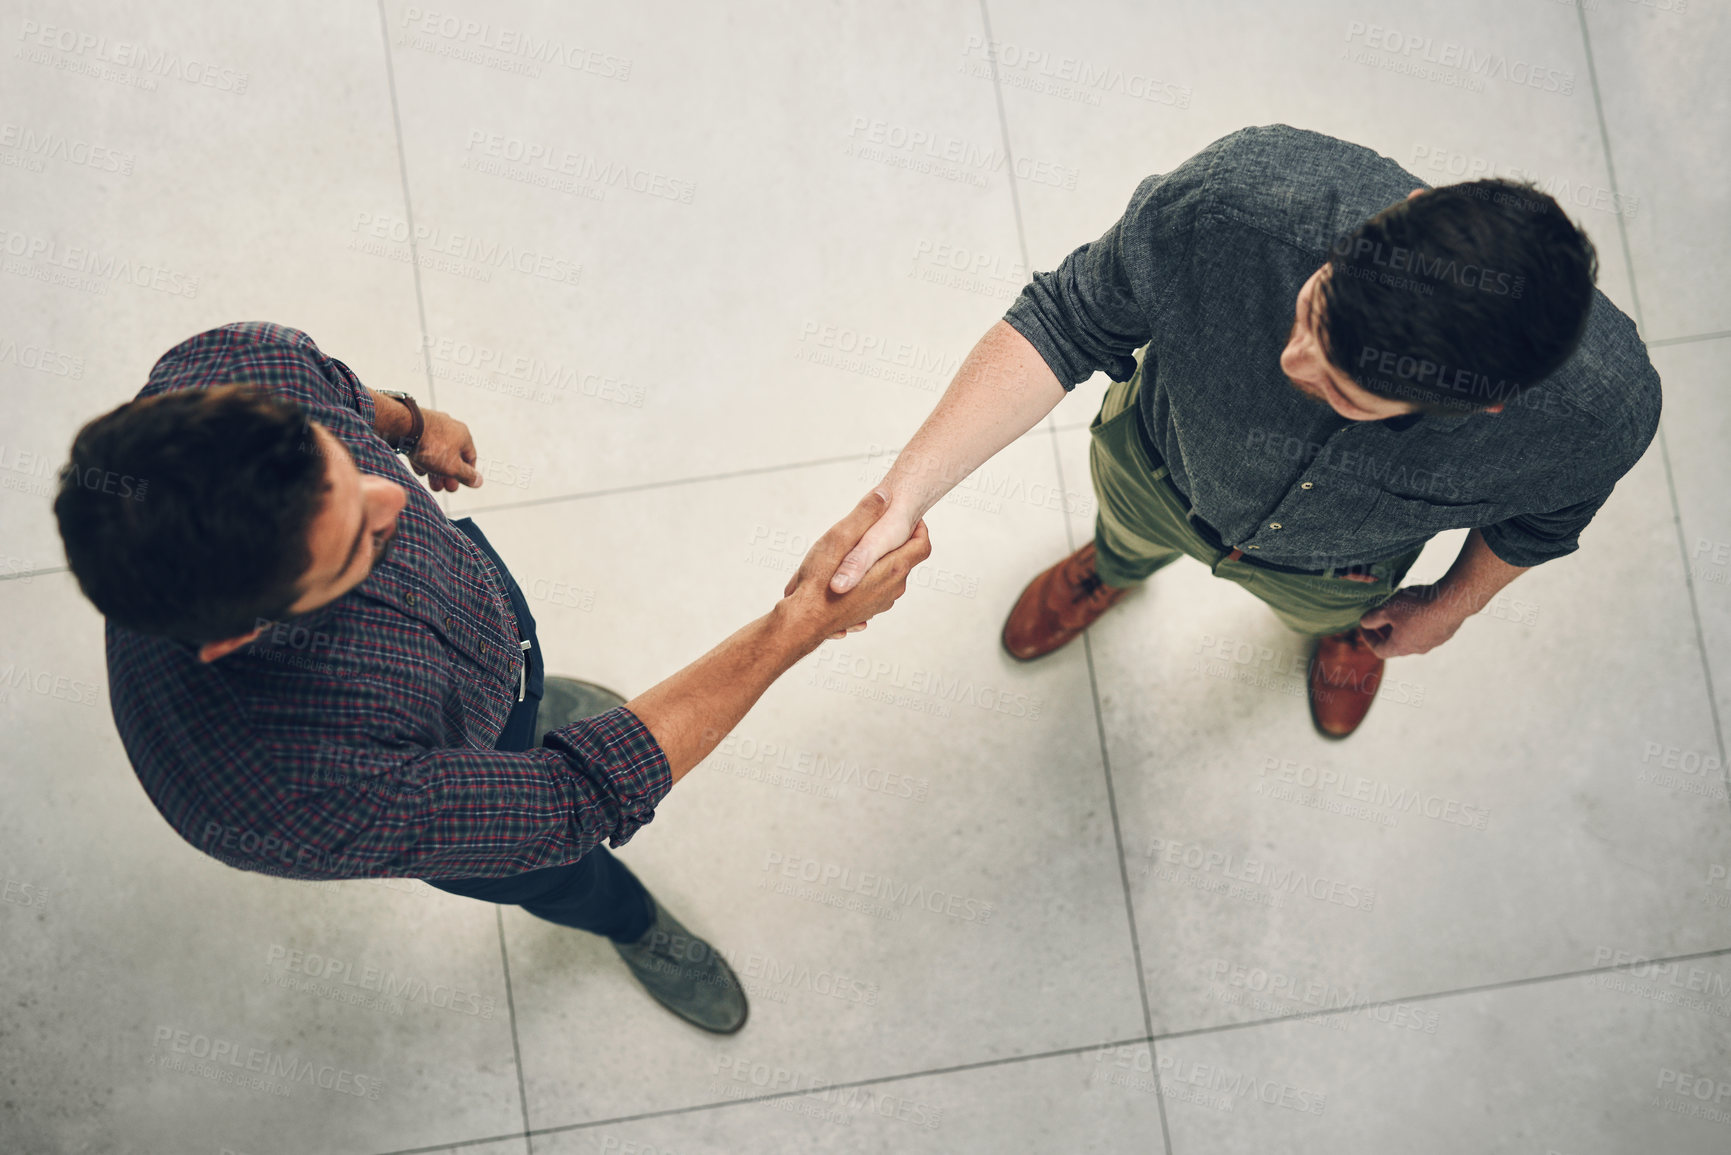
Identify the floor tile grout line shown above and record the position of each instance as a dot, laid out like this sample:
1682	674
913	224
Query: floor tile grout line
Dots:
1004	130
1431	996
1151	1039
408	203
1664	442
1087	645
1611	171
1694	597
438	1148
444	499
1118	843
1692	338
1111	797
1111	789
697	479
670	483
511	1013
617	490
35	573
642	487
956	1069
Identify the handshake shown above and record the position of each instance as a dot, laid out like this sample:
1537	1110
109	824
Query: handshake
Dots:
859	567
868	554
854	572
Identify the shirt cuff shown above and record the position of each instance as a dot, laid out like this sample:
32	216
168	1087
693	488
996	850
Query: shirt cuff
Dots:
1512	547
368	410
1025	319
625	762
1038	315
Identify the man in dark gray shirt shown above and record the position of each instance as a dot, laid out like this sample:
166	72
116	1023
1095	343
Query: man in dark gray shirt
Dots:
1319	363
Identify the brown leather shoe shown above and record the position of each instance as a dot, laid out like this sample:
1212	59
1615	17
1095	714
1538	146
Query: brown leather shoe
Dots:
1059	604
1344	676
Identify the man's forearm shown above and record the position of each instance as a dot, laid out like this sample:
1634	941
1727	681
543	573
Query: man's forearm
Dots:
1000	392
1475	577
690	712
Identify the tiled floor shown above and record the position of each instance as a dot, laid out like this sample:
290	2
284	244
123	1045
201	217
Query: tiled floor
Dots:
741	287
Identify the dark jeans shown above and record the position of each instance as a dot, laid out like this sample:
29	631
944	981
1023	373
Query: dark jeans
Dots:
597	893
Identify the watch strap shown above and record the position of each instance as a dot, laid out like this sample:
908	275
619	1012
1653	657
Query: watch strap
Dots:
418	425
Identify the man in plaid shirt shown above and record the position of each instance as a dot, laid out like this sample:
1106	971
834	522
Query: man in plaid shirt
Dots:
317	674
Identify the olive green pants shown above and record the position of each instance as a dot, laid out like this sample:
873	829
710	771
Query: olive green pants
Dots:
1144	523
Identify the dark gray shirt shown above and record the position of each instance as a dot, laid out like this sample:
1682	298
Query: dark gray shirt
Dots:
1204	268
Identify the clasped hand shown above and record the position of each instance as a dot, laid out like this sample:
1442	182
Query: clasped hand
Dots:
810	594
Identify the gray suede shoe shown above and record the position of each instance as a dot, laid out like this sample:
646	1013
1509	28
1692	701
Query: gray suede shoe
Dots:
567	700
685	975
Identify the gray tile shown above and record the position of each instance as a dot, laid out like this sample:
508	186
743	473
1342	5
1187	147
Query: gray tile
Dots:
826	294
1112	91
1696	426
793	296
167	1001
905	847
1095	1101
514	1145
1632	1059
1663	100
1497	815
212	172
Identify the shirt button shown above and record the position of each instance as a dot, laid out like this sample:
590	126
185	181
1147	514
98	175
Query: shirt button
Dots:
410	599
447	623
1274	525
1304	485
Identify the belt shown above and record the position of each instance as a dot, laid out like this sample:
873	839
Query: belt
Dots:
1207	532
526	673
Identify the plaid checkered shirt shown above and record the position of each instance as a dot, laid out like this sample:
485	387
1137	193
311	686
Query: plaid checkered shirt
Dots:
356	741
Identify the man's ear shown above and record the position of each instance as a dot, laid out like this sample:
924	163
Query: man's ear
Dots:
211	651
1413	193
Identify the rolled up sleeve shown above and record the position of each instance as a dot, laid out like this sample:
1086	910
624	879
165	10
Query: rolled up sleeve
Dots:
1531	539
623	763
446	813
1586	474
1103	301
488	814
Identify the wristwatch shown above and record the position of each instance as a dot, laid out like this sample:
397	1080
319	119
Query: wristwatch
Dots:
409	443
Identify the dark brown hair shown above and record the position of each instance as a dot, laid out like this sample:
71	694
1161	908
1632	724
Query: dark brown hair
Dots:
186	514
1459	298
